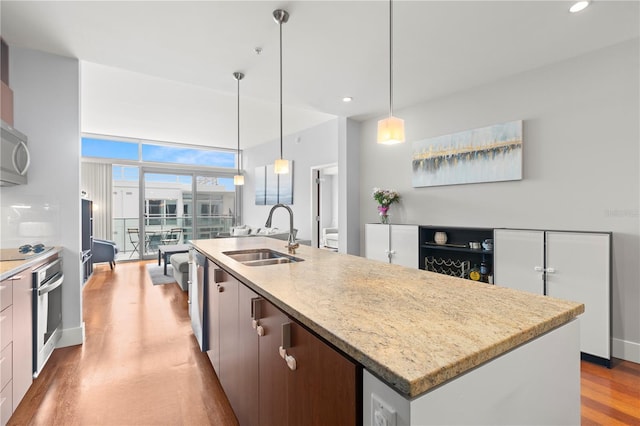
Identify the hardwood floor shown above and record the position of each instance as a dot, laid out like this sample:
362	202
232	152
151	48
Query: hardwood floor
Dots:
140	364
610	396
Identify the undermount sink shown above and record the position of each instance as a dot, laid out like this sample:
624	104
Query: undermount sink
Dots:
261	257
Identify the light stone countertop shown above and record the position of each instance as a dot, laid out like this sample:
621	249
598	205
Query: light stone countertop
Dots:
9	268
412	328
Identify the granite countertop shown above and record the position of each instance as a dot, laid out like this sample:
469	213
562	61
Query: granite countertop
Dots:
412	328
9	268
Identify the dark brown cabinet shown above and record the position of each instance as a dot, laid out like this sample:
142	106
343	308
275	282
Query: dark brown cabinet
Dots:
322	388
247	358
272	369
274	394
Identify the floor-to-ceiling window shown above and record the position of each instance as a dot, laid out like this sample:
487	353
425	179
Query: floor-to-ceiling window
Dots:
164	193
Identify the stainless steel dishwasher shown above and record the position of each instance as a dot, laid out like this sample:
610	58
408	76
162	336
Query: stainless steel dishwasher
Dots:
198	277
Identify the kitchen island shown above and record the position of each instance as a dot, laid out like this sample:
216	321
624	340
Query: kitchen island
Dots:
420	335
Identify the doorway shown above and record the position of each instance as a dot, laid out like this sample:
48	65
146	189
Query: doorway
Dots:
324	206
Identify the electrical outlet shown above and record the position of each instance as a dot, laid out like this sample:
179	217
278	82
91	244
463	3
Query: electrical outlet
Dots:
381	413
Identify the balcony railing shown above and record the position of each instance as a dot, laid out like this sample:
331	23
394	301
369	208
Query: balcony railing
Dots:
157	228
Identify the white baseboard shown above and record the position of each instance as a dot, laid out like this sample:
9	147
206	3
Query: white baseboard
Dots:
71	337
624	349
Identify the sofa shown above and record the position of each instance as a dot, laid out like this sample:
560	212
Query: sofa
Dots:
255	231
180	265
330	237
104	251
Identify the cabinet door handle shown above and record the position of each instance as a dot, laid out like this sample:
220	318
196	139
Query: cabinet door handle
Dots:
289	359
218	275
220	289
260	330
551	270
256	312
538	268
291	363
286	336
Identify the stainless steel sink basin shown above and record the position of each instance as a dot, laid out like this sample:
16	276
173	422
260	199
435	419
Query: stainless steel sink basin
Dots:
261	257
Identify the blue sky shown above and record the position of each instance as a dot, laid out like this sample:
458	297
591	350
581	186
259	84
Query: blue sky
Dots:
120	150
157	153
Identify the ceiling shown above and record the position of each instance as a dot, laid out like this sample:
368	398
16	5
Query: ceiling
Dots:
163	69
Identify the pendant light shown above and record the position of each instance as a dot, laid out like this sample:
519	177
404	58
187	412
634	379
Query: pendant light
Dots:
238	179
391	129
281	165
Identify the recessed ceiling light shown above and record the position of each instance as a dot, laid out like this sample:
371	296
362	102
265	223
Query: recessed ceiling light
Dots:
578	6
347	99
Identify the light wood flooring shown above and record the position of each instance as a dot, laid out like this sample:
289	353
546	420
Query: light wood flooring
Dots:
140	364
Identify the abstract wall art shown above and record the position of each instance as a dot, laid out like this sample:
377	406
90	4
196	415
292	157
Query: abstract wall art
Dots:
486	154
271	188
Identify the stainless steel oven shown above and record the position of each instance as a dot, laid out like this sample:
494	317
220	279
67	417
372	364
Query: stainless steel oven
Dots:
47	312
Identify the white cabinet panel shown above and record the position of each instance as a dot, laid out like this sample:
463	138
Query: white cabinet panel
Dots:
403	245
376	244
519	259
578	269
397	244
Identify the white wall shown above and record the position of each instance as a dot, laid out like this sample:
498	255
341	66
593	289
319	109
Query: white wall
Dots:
581	158
313	147
47	109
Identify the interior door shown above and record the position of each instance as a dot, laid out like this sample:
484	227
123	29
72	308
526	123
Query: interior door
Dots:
376	245
518	257
578	269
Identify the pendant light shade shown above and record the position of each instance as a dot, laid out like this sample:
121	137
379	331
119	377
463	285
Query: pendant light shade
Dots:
281	165
238	179
391	129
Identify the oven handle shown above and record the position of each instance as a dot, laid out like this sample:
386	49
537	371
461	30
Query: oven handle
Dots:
50	287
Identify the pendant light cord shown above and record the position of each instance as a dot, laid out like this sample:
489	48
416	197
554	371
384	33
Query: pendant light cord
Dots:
390	58
281	89
238	91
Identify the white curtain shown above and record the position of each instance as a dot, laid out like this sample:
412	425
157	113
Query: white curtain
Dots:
97	183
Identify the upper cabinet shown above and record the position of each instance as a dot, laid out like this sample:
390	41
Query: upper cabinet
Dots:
574	266
397	244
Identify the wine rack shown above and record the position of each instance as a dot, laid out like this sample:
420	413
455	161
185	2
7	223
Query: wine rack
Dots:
455	268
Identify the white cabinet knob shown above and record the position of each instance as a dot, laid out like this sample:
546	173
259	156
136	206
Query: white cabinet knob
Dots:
254	324
551	270
283	352
538	268
260	330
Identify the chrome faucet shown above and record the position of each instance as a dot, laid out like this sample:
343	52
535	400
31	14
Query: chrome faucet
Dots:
291	242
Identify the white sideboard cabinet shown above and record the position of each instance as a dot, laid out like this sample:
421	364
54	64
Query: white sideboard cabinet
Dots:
567	265
397	244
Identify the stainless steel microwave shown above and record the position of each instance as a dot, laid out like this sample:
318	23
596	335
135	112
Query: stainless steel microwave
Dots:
14	157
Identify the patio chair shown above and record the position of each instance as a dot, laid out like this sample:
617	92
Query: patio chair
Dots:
134	238
172	237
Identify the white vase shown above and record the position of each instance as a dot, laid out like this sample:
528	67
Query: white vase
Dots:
440	237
